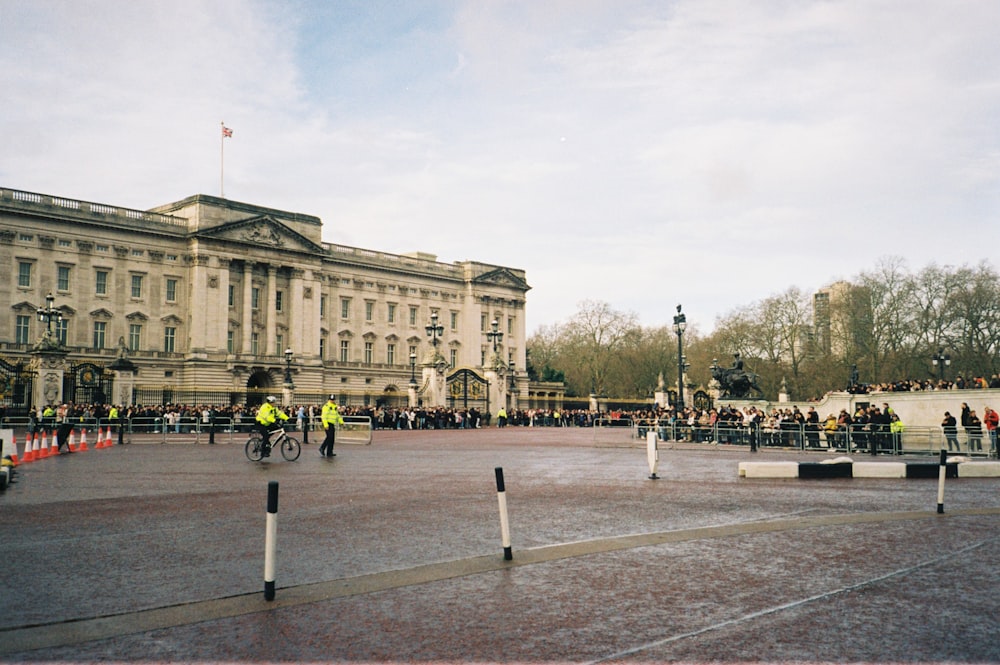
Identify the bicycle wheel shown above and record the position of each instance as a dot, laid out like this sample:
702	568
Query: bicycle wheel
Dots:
290	448
253	448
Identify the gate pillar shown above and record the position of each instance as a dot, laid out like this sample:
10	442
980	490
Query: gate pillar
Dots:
124	370
50	368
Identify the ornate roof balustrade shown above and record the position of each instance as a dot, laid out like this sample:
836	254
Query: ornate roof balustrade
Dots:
15	200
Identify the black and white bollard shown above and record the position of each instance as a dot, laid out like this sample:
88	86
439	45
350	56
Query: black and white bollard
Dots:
271	540
504	523
652	454
942	472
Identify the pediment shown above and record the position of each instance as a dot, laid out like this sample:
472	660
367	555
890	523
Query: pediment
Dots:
136	316
171	320
261	232
502	277
101	313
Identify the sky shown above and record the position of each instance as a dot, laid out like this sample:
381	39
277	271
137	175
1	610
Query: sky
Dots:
709	153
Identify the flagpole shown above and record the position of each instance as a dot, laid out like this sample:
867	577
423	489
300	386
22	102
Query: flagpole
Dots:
222	160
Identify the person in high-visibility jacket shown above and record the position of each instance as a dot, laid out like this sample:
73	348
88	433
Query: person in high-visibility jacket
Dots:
267	417
896	428
331	420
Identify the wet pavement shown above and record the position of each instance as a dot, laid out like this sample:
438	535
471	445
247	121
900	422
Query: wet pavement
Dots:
392	553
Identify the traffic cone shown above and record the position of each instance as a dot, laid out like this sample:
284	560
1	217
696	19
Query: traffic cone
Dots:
13	458
29	453
83	441
108	442
70	443
100	439
43	447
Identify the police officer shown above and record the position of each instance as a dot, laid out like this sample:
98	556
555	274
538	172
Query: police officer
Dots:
267	415
331	420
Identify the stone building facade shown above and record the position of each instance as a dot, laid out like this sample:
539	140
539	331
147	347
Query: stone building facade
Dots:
208	294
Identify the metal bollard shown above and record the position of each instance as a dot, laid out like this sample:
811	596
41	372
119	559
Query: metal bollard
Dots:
652	455
942	472
504	523
270	541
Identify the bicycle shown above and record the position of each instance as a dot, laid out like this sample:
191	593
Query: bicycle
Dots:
290	448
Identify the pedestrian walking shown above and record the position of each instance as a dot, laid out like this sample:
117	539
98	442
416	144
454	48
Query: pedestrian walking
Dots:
950	427
331	420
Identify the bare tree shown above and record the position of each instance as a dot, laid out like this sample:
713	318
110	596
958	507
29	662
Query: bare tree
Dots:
594	336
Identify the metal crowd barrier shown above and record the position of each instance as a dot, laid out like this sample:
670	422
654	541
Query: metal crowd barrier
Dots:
852	440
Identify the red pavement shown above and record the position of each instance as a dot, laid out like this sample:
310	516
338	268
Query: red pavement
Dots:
392	553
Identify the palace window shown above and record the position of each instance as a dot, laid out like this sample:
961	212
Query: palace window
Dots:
169	339
100	332
101	282
24	274
21	328
390	354
134	336
345	350
136	286
369	352
172	290
62	278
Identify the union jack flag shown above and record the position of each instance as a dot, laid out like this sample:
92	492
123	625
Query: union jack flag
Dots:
226	132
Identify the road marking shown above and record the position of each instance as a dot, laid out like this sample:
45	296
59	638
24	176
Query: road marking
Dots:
64	633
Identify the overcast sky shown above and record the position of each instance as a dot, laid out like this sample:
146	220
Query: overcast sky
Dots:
709	153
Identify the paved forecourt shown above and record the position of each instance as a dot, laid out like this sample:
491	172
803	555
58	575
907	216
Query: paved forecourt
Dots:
392	552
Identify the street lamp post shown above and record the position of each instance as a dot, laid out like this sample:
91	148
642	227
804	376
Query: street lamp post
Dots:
288	367
413	369
48	313
494	335
941	359
680	323
434	329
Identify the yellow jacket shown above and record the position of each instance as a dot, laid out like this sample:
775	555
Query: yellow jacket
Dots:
268	413
331	415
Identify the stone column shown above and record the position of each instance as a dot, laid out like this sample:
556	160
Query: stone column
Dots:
201	311
247	321
222	299
298	320
270	317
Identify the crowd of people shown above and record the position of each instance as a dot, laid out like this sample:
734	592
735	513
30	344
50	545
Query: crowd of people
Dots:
914	385
877	426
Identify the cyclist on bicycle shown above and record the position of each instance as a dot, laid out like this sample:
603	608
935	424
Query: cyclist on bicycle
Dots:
267	417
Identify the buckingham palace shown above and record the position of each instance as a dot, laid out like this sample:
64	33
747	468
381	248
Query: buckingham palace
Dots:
209	299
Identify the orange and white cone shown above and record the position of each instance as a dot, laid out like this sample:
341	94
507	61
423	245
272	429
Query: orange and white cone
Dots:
13	458
29	451
43	447
100	438
108	442
83	441
70	443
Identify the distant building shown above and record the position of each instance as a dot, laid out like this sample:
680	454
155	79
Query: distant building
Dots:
206	294
826	303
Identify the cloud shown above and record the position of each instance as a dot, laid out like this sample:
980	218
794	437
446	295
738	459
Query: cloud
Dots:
641	153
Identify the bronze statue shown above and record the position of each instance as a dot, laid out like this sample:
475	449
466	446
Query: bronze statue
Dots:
735	382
